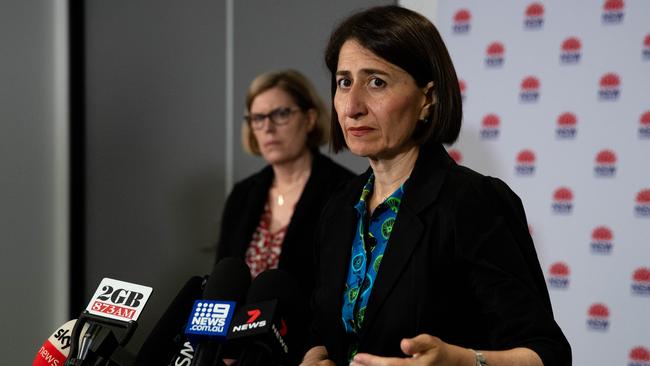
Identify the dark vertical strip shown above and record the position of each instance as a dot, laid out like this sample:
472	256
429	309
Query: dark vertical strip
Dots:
77	194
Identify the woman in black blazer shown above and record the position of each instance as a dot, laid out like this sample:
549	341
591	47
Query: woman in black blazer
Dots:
270	217
420	261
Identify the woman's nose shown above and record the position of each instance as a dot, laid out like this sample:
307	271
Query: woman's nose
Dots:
355	105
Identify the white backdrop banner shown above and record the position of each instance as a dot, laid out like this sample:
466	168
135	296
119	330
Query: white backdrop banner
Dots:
557	104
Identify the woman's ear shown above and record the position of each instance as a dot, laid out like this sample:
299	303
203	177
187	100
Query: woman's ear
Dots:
430	100
312	116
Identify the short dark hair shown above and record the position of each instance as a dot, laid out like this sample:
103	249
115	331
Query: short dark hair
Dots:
408	40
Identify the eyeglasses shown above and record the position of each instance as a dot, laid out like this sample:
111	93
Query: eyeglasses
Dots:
279	116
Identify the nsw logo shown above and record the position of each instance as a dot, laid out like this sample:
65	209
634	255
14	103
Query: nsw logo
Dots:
602	240
641	281
571	51
494	55
525	165
598	317
639	356
529	90
490	127
462	21
210	318
456	155
609	87
558	275
646	47
562	201
534	17
613	11
462	85
644	125
605	164
642	208
566	126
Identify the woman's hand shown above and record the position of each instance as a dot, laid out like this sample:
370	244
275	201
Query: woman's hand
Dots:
317	356
431	351
424	350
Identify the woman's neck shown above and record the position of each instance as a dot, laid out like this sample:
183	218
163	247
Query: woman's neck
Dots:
393	172
291	172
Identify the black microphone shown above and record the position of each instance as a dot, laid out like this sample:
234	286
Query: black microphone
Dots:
167	337
226	287
115	305
265	324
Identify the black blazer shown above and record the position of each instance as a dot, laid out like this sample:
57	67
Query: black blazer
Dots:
460	265
245	205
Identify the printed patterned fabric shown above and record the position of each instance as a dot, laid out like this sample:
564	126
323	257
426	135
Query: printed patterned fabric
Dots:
368	249
264	250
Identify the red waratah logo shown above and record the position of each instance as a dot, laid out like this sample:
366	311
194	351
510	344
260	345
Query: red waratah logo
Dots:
566	126
558	275
529	89
490	127
462	20
641	281
605	164
639	356
646	47
609	87
643	203
601	240
562	201
463	87
598	317
571	49
644	125
456	155
613	11
525	163
494	54
534	18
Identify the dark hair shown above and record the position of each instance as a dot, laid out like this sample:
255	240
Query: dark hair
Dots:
303	94
411	42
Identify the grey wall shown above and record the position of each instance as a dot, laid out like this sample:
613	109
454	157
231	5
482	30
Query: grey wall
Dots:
155	157
156	92
33	225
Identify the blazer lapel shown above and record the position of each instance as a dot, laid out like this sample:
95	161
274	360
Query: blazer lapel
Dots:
421	190
253	209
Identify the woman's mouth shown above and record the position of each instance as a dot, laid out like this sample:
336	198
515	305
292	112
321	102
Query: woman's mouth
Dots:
359	131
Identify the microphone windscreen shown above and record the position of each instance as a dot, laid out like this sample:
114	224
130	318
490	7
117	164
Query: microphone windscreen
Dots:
166	338
274	284
229	280
56	349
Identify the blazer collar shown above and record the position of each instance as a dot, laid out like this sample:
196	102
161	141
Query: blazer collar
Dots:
420	191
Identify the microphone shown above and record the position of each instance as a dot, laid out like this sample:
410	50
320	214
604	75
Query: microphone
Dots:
264	324
167	336
209	319
55	350
115	304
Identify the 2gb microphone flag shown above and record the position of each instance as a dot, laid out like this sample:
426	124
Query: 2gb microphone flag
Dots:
119	300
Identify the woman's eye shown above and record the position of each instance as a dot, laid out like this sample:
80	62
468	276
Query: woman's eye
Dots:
344	83
377	83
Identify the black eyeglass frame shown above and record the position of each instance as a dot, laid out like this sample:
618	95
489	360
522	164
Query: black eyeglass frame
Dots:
279	117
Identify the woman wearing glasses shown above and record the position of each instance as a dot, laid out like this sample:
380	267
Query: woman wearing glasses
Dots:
270	217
